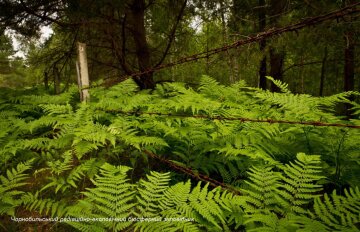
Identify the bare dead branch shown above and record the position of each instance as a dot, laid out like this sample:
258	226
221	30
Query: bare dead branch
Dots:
172	34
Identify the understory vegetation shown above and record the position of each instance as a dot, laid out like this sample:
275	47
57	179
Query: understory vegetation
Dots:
64	159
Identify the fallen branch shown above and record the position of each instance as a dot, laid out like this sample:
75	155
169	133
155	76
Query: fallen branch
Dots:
190	172
314	123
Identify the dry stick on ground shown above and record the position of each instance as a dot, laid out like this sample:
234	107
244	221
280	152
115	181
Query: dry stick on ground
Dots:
351	9
190	172
236	119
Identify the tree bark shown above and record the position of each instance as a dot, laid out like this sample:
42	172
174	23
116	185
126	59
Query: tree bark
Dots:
83	72
276	66
137	28
277	7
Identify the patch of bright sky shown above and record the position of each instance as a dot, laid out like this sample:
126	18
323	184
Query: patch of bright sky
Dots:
45	33
196	24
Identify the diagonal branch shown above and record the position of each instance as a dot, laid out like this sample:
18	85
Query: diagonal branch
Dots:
269	120
351	9
43	17
190	172
172	34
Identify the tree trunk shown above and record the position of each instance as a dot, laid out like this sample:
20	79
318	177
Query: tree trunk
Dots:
230	59
46	80
207	51
349	67
262	25
83	72
56	80
137	27
276	66
349	61
277	8
322	76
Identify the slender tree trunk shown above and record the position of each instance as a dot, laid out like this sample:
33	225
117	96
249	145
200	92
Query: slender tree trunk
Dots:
349	56
349	61
302	74
277	8
46	80
322	76
137	27
230	59
349	67
56	81
262	25
207	51
276	67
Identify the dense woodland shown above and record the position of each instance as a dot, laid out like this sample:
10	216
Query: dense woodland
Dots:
218	115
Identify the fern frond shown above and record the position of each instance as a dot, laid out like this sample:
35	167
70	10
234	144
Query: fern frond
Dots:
284	87
150	193
112	197
339	213
50	207
10	197
261	191
300	179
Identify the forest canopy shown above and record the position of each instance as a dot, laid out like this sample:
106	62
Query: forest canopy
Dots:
187	115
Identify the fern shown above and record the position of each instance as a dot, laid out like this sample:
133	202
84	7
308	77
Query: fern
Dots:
10	197
282	86
46	206
339	213
300	186
74	144
278	200
114	198
261	192
150	193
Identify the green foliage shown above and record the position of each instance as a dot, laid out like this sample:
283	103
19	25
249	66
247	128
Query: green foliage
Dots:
299	182
151	205
10	196
290	193
282	189
340	213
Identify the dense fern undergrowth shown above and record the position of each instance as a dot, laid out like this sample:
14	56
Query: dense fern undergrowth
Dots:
82	166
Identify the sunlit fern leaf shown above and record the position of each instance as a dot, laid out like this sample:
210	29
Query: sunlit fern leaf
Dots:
111	198
284	87
261	190
82	147
151	192
331	101
52	109
300	187
271	222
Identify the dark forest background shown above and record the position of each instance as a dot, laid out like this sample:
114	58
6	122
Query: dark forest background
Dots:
124	37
